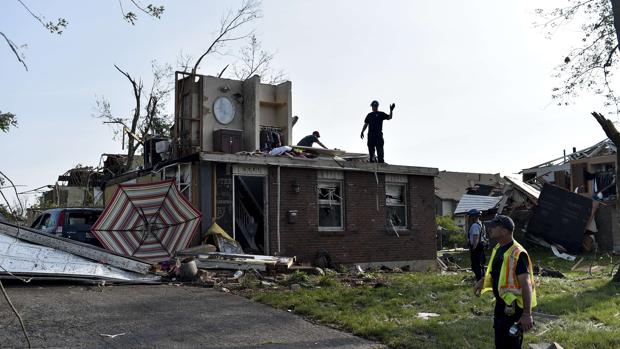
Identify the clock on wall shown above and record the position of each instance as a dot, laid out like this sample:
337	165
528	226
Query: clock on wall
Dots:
224	110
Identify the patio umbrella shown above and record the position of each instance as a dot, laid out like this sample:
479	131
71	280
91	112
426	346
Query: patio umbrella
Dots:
150	221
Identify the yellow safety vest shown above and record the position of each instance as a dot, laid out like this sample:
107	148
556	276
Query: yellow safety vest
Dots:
509	288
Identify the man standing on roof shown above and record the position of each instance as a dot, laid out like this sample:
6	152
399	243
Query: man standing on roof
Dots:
475	242
311	139
510	276
374	123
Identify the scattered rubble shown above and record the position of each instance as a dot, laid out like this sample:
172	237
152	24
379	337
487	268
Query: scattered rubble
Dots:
548	272
553	345
426	316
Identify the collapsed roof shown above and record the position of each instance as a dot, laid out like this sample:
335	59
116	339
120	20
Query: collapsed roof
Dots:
604	147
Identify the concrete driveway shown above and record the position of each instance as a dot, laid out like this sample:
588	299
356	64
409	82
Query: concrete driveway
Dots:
162	316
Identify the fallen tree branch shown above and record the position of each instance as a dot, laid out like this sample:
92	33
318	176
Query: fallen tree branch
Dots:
19	317
14	49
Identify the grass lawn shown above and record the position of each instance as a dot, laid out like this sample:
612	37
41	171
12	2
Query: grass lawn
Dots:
580	311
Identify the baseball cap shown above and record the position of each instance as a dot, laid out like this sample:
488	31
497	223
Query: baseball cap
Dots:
374	103
316	133
501	221
473	212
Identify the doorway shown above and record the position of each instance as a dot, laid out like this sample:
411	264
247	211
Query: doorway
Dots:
250	213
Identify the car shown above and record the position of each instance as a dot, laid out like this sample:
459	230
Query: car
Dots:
71	223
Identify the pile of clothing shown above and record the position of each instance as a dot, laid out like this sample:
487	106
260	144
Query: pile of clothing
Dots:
270	138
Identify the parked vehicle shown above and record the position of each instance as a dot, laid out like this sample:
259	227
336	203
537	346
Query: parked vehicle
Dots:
71	223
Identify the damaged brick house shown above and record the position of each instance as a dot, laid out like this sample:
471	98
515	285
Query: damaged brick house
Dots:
301	203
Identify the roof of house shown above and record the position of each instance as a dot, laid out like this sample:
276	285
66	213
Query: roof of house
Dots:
525	188
479	202
604	147
319	163
452	185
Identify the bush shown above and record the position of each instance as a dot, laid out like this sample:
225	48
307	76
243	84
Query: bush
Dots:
458	239
447	223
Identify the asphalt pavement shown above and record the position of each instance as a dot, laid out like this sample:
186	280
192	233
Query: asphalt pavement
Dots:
160	316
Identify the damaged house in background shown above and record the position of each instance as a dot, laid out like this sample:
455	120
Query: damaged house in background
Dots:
578	196
229	157
451	186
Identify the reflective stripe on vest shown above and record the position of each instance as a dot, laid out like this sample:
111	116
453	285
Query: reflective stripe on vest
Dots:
509	288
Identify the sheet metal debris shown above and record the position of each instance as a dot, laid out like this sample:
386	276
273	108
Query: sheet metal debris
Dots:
479	202
76	248
22	258
562	255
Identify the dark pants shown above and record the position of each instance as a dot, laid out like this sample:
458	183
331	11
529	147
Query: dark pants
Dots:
375	140
477	261
502	324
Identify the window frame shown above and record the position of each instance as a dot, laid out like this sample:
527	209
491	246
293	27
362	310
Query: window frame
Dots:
340	184
182	174
404	204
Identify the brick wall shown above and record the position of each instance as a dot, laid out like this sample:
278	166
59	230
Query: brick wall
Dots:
365	237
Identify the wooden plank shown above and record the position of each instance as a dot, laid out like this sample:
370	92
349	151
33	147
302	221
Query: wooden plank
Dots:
77	248
320	151
221	264
272	104
208	257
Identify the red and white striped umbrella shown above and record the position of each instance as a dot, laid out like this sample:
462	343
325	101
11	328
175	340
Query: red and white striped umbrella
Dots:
150	221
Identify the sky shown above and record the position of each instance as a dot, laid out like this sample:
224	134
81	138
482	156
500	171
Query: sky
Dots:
471	79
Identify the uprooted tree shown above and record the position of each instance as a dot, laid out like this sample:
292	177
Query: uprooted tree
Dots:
591	66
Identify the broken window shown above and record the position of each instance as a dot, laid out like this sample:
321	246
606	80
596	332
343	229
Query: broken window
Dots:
46	221
330	205
396	205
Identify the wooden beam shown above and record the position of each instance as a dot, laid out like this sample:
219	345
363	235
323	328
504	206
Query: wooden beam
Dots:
272	104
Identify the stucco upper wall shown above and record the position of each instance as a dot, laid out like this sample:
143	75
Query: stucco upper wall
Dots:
213	88
255	104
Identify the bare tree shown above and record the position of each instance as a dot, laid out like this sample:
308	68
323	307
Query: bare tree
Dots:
253	60
184	62
590	66
59	25
147	116
229	24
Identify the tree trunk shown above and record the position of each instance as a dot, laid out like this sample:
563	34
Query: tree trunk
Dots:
613	134
615	8
617	275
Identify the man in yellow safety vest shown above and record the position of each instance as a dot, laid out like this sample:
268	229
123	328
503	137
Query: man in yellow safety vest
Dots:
510	276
